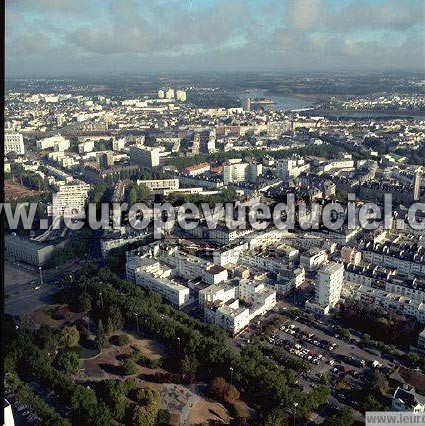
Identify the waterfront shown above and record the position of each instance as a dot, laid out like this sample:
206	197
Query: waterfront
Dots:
281	102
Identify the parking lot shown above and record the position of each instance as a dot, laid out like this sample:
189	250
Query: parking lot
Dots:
22	413
300	343
324	354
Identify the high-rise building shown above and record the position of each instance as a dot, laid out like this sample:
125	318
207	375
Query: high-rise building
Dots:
211	141
105	159
248	104
161	94
181	95
169	94
329	285
69	198
146	156
60	120
13	142
196	146
290	168
417	185
241	172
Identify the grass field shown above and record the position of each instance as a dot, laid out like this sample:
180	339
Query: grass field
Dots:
14	191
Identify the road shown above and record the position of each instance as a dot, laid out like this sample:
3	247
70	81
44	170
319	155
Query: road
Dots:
22	295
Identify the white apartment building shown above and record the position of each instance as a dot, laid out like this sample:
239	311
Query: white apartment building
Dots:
291	168
312	259
13	142
8	414
190	267
160	184
339	165
331	278
351	255
328	288
403	305
118	144
227	256
146	156
230	315
222	292
403	265
86	146
150	273
266	238
255	260
58	143
241	172
413	290
255	292
232	308
288	279
223	235
69	199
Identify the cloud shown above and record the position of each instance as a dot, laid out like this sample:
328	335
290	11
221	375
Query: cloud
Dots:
64	8
304	15
213	34
391	14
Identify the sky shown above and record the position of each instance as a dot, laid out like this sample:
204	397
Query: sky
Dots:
89	37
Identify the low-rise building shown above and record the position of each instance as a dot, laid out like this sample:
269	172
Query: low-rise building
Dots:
406	399
29	251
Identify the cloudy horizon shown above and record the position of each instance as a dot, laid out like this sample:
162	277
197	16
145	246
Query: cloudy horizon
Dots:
74	37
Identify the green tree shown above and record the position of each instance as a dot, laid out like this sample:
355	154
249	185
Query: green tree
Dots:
114	394
342	417
70	336
100	339
109	326
379	382
68	362
189	365
82	402
123	340
372	404
130	367
116	317
84	302
276	418
146	413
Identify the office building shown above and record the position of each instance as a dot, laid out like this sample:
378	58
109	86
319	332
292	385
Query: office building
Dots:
29	251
